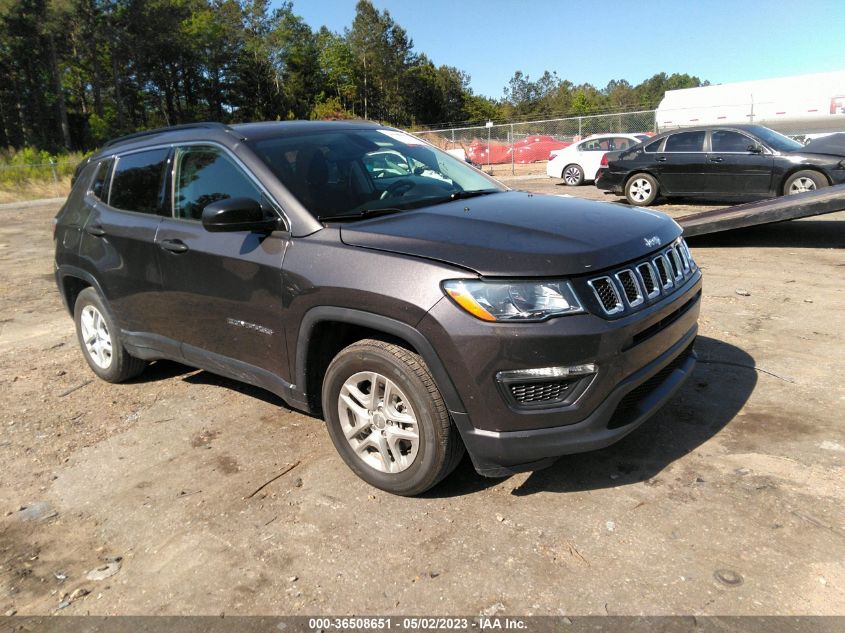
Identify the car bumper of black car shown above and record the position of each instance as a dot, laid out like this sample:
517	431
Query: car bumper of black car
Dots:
610	182
640	362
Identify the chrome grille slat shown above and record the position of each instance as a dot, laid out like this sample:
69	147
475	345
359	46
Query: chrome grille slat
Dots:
649	279
675	263
664	272
631	287
607	294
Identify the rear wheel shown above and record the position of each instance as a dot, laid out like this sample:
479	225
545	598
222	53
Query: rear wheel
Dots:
99	339
387	419
641	190
802	181
573	175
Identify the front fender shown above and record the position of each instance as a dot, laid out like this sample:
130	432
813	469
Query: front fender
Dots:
382	324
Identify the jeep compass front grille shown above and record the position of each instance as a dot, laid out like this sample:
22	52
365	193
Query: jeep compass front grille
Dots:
632	286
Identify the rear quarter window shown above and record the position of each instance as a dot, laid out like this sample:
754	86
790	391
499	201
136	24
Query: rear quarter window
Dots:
137	183
654	147
99	187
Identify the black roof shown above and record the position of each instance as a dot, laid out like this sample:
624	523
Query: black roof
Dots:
747	127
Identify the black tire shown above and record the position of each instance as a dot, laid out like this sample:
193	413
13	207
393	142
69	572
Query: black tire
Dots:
804	180
641	189
116	366
439	447
573	175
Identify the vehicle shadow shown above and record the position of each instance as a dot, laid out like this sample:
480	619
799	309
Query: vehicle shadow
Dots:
806	233
161	370
721	384
251	391
164	369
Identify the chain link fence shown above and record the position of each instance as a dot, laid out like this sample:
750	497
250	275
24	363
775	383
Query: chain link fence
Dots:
524	147
34	181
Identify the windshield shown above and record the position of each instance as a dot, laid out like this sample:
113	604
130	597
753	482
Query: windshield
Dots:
355	172
776	140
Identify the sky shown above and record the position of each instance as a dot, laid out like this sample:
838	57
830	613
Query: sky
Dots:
594	42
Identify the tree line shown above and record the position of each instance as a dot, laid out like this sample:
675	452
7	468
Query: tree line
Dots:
78	72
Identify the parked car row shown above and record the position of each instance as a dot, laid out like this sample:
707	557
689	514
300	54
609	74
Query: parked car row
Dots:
738	161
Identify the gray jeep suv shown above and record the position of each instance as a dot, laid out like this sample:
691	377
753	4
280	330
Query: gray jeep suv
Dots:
369	278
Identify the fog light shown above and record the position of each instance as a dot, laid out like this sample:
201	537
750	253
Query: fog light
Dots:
548	372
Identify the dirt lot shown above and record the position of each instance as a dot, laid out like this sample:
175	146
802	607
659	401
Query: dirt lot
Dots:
729	501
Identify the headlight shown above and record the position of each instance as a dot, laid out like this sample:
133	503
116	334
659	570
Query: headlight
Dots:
513	300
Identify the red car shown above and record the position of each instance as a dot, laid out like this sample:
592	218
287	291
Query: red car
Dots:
536	148
477	153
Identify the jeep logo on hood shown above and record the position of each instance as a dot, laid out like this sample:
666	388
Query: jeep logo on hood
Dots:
652	241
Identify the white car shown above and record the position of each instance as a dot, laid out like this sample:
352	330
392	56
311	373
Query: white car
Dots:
580	161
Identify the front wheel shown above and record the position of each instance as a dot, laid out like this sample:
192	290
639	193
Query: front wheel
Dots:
573	175
386	418
802	181
641	190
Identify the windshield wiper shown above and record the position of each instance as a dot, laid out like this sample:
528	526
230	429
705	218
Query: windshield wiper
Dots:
366	213
463	195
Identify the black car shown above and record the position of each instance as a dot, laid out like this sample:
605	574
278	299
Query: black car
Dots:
737	161
369	278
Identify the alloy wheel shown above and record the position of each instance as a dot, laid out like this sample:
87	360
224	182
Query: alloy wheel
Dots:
640	189
378	422
572	176
800	185
96	336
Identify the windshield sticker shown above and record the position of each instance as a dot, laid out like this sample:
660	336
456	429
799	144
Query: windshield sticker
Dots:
406	139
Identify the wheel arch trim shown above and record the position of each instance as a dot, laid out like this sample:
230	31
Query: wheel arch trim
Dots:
382	324
64	271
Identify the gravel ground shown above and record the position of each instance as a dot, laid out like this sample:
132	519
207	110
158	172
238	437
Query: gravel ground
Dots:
729	501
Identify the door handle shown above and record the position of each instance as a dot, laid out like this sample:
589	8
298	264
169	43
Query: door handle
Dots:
661	159
716	159
174	246
96	230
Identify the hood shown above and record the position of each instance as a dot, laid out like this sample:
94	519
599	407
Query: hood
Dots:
519	234
832	144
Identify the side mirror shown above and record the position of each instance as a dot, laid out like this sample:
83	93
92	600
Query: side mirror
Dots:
755	149
237	214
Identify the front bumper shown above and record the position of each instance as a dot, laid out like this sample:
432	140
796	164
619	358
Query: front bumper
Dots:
647	354
499	454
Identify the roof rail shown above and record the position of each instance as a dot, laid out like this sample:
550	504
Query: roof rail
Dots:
172	128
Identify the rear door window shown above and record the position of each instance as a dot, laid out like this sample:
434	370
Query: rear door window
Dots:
138	181
685	142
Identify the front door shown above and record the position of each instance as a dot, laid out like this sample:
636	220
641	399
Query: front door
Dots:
737	164
223	291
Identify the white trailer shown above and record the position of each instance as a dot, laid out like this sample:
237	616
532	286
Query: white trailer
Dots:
799	105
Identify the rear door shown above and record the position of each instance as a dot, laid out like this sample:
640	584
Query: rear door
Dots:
222	291
682	165
127	199
738	164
